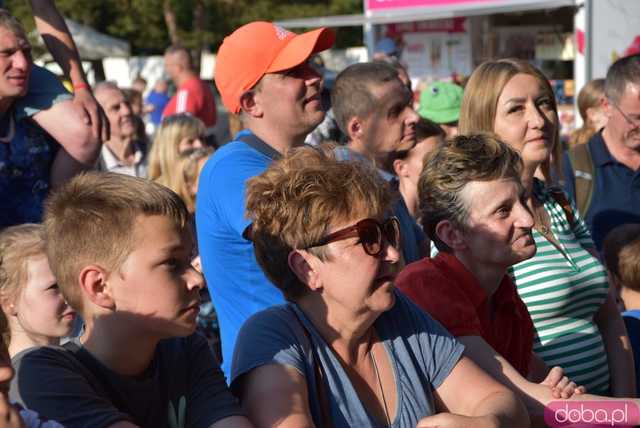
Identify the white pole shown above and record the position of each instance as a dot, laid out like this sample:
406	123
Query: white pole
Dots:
581	63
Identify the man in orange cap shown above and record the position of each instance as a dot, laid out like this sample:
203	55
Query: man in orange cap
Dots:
262	75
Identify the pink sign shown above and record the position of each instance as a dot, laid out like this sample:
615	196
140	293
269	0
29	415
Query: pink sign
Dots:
398	4
451	25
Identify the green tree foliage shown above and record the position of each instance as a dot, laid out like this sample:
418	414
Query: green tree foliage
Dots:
201	24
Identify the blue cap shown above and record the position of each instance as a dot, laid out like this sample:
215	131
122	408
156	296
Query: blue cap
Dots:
387	46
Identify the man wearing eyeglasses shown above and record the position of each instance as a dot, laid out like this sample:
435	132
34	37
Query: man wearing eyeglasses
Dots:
263	75
608	193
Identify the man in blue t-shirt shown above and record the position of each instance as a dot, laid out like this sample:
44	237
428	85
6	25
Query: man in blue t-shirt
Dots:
262	74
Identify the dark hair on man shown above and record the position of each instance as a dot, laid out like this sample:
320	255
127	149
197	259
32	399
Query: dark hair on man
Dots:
352	91
622	72
181	53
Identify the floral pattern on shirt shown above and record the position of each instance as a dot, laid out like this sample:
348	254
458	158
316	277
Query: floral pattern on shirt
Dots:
25	167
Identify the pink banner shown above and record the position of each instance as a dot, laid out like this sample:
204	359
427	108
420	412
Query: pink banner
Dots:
451	25
398	4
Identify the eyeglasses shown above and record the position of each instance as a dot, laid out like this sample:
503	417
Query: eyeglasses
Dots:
369	232
633	122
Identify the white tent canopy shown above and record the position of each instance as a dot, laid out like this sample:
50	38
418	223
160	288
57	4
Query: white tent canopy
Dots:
93	45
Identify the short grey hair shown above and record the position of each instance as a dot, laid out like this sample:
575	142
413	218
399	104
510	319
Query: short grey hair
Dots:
622	72
106	85
449	168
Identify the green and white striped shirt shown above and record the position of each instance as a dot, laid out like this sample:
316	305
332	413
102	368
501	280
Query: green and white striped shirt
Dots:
563	288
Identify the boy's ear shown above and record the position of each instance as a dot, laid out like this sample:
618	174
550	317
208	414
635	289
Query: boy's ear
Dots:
94	284
354	128
301	263
450	235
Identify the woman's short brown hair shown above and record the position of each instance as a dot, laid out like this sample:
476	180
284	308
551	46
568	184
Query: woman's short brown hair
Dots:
297	200
447	170
480	102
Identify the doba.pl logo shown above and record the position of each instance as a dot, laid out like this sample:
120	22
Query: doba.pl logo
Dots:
583	414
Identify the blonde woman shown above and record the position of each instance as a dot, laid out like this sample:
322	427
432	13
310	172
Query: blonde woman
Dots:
576	323
591	112
191	163
177	134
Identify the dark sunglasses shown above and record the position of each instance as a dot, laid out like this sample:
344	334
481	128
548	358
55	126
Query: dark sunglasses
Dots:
369	232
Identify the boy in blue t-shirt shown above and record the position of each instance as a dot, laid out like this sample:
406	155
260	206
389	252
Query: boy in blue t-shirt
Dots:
621	250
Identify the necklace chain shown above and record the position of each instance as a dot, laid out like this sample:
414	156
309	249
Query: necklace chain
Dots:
384	401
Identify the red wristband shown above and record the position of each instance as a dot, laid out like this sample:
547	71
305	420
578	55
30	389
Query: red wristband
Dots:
79	86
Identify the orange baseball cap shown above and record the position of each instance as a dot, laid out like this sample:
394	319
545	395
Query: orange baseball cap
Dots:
258	48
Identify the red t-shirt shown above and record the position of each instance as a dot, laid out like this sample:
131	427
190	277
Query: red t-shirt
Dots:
196	97
443	287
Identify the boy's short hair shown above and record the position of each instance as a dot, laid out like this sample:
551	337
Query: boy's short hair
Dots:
90	220
296	201
621	250
17	244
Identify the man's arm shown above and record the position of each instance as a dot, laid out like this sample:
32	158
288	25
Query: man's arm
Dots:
64	122
470	397
55	34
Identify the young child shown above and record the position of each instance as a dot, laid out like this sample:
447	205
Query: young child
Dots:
34	311
621	251
120	248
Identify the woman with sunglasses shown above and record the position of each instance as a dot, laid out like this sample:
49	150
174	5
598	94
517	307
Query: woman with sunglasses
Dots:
347	350
576	323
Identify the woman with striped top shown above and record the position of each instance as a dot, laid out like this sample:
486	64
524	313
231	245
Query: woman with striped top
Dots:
576	322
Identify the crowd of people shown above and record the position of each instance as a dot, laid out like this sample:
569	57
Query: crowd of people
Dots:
373	258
